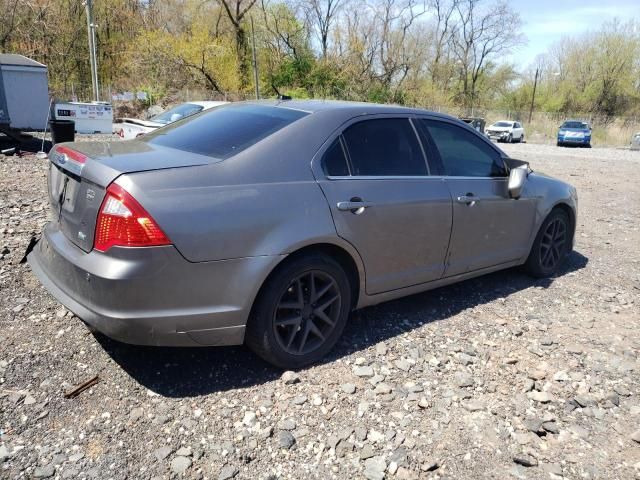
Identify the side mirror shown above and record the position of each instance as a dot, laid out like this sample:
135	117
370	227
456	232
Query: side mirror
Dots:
517	177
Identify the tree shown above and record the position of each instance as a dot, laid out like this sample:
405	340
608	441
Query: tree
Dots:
483	34
236	10
321	16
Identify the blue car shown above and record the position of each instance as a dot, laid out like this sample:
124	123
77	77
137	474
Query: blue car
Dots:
574	132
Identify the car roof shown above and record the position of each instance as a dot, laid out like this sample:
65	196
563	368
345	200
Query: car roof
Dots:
355	108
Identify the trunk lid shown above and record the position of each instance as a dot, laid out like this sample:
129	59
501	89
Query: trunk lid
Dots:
79	174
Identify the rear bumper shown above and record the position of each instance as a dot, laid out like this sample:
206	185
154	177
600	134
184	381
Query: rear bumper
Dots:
151	296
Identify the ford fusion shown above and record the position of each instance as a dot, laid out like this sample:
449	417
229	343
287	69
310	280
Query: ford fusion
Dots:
267	223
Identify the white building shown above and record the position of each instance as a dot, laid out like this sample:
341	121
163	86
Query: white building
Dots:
24	92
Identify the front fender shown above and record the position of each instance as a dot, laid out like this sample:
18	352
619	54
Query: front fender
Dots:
551	193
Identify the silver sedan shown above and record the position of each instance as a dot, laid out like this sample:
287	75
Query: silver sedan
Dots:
267	223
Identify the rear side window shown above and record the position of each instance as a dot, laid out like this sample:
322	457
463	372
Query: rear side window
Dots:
384	147
224	131
334	161
463	154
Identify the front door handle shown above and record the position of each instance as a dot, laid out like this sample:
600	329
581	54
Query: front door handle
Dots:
468	199
355	206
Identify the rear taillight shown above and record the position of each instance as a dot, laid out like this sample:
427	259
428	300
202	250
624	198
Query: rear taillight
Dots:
123	222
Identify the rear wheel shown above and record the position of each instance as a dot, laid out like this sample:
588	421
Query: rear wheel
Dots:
551	245
300	312
521	139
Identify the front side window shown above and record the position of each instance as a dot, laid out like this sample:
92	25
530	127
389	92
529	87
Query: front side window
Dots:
384	147
463	154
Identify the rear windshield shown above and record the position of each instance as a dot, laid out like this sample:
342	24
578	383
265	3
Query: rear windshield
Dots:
225	131
574	125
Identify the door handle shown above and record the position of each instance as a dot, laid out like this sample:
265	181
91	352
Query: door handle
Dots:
354	206
468	199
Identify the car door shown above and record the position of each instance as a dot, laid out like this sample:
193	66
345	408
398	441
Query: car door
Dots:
518	130
489	227
384	202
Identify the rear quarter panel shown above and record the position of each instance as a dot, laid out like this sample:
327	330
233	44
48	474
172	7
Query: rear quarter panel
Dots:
262	201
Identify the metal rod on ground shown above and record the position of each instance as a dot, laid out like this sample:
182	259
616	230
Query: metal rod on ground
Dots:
41	153
533	97
255	61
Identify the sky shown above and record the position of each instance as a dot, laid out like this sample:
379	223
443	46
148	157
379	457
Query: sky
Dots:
546	21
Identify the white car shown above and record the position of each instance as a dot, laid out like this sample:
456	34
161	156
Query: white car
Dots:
506	131
635	142
131	128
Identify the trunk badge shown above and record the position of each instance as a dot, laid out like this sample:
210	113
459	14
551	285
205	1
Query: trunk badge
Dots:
90	194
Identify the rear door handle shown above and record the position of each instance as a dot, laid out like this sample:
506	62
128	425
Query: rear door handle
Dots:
356	207
468	199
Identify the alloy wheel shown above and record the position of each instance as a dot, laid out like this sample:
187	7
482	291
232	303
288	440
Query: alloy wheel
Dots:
552	245
307	312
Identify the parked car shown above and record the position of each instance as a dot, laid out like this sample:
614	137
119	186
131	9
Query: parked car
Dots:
574	132
635	141
506	131
129	128
268	223
476	123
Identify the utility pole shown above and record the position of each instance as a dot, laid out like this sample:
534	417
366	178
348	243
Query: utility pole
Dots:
255	61
91	30
533	97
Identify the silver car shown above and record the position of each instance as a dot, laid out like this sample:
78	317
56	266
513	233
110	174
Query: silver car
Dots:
267	223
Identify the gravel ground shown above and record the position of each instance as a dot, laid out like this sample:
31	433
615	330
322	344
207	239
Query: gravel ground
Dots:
497	377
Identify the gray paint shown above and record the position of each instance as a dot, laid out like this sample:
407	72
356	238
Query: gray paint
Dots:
233	221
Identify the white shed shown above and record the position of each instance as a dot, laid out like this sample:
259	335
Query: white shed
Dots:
24	92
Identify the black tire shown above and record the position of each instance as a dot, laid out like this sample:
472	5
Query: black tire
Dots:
545	260
558	144
588	145
269	322
521	140
510	138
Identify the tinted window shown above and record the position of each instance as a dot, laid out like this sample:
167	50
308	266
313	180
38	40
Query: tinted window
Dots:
384	147
463	154
334	161
224	131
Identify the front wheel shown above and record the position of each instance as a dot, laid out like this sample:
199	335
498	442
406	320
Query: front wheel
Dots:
510	139
300	312
551	245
